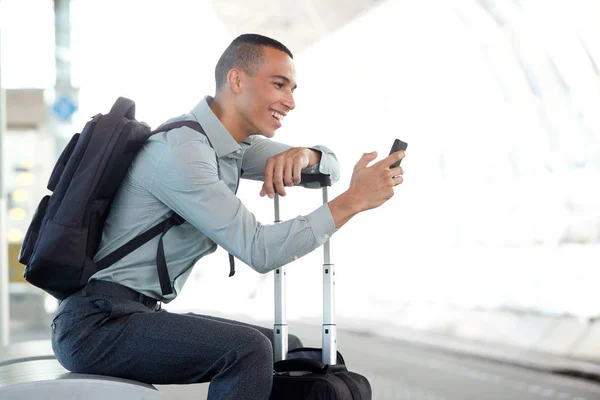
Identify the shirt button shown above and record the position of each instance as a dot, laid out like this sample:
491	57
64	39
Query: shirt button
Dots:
295	257
326	236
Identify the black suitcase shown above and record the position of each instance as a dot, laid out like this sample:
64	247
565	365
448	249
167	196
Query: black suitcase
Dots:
310	373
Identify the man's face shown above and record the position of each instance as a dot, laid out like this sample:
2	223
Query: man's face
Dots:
268	96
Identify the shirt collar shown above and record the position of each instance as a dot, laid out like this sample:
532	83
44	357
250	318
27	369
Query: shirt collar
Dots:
219	136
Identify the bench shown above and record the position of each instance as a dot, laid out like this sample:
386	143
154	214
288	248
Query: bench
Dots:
29	370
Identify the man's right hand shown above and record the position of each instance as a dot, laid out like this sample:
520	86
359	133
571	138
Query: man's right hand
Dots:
370	187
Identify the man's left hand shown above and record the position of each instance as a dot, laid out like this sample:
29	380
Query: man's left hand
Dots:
284	169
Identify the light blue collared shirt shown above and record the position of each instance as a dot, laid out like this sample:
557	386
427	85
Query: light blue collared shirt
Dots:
178	171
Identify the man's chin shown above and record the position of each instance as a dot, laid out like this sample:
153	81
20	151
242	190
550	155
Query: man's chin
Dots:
267	134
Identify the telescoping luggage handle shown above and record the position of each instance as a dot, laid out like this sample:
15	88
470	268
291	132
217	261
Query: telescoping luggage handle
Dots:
329	328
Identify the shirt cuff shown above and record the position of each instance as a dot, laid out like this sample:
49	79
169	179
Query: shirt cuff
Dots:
321	223
323	165
315	169
328	164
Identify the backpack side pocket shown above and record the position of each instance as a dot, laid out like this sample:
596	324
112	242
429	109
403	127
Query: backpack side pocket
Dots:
32	232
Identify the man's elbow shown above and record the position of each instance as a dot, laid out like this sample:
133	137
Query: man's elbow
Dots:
261	263
262	267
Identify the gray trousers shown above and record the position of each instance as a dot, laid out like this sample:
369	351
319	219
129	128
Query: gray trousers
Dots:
109	329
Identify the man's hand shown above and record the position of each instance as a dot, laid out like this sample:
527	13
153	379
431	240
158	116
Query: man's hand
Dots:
284	169
372	186
369	188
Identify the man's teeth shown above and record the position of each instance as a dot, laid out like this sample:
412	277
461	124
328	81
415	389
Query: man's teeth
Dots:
277	115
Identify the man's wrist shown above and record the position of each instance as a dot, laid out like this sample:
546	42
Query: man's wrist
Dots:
344	207
352	201
314	157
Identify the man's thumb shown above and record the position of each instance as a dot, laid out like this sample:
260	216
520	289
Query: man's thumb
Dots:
366	159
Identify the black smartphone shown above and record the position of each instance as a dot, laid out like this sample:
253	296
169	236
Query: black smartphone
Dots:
398	145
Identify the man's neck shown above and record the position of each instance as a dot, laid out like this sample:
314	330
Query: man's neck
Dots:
227	117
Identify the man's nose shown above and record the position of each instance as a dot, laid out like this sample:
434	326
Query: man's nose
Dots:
289	102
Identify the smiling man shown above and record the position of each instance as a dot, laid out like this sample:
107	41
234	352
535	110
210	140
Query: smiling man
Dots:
114	325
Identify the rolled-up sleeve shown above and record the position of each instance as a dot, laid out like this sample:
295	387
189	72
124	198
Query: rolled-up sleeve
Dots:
187	181
255	160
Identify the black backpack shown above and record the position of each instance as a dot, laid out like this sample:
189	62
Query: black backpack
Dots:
67	226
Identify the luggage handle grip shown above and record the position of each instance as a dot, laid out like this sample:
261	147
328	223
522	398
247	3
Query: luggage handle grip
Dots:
322	179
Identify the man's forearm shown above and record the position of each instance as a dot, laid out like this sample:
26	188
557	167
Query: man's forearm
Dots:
343	207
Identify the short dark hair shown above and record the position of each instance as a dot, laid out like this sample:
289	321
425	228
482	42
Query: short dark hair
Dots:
245	52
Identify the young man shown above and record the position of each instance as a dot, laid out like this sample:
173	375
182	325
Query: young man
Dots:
114	326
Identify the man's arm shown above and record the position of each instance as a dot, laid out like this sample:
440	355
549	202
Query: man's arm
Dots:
187	182
319	159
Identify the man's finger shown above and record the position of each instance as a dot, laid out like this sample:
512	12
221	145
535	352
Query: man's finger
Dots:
268	183
365	160
278	179
395	171
397	180
392	158
288	173
297	174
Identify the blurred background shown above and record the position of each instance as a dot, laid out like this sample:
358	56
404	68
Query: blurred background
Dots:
493	238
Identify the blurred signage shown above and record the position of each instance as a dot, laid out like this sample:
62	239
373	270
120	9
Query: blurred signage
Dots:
64	107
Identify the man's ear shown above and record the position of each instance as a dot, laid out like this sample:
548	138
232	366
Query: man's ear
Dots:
236	80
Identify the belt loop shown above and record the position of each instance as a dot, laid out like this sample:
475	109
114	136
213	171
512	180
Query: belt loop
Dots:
158	306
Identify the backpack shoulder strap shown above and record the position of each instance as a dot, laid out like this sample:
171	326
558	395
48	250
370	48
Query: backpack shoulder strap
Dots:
179	124
198	128
195	125
162	227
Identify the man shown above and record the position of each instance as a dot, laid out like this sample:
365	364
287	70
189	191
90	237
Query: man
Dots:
113	326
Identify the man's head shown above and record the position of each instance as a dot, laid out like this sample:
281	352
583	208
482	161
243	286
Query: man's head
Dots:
256	76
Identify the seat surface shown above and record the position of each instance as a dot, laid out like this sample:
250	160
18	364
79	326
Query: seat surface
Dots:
47	379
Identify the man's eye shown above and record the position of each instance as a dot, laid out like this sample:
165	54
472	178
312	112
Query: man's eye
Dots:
279	85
